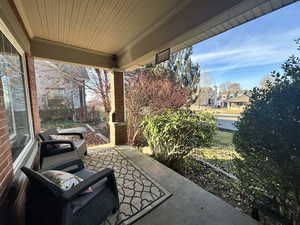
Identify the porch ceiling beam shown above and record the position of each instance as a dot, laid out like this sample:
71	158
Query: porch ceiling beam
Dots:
197	21
55	51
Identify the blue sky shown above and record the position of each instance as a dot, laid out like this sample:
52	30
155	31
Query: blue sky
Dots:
247	53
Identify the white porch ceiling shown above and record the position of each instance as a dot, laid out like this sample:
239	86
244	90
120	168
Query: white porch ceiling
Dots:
101	25
92	31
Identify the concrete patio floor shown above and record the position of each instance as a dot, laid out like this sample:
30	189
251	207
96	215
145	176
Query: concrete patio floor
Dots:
189	204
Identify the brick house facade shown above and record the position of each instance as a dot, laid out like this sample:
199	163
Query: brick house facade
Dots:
12	183
5	154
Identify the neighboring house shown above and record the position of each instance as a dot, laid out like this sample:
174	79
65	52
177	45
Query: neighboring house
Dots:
238	102
57	93
209	96
224	97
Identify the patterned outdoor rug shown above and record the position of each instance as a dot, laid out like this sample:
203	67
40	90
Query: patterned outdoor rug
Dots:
138	193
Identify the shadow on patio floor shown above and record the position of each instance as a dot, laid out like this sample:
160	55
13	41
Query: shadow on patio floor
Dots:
189	203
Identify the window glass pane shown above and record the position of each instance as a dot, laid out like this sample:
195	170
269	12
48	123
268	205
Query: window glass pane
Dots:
13	89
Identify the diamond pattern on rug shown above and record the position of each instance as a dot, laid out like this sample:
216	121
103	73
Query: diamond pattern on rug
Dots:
138	193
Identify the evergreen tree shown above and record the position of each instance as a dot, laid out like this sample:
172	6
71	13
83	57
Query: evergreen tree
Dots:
181	69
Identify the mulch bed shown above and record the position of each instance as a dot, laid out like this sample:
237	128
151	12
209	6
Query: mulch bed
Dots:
222	186
92	139
216	183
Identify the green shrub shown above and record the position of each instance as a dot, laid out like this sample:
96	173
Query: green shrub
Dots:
174	133
268	140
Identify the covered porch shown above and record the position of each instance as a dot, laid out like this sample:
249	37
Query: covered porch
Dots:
118	36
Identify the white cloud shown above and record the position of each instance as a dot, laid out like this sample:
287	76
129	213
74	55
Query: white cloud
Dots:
252	51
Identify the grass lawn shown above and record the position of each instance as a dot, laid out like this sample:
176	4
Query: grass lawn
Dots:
60	124
223	139
217	110
221	153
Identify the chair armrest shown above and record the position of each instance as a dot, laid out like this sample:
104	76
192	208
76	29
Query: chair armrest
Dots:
72	134
65	165
82	186
53	142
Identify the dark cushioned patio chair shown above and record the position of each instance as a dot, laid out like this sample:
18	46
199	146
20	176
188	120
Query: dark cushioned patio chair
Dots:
47	204
55	151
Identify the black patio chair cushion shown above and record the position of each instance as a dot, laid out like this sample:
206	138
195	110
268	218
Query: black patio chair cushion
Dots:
85	198
53	146
40	182
56	149
95	209
47	204
46	136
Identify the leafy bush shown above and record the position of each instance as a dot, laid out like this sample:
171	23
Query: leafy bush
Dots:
268	139
174	133
148	94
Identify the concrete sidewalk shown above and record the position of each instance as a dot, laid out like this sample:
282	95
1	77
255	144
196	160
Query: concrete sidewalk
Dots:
190	204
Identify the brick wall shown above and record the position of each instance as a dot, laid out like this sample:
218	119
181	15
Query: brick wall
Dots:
5	153
118	128
12	183
33	94
6	165
12	188
118	96
17	194
120	133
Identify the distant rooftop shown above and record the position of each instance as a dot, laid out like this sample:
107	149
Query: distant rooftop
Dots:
242	98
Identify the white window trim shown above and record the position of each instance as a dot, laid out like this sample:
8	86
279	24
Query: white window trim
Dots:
24	153
13	135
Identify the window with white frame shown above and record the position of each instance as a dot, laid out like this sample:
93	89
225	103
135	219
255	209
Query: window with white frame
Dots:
12	80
